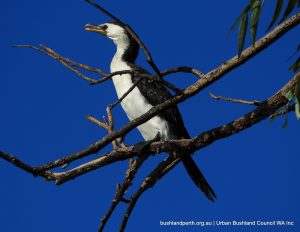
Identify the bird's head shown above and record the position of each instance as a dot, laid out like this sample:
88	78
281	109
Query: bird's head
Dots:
125	43
112	30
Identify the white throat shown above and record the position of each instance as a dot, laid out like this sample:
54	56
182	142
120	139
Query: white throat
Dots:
122	82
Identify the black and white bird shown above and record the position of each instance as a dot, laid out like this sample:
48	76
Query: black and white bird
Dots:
168	124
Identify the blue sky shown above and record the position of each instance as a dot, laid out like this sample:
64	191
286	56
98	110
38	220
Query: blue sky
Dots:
43	107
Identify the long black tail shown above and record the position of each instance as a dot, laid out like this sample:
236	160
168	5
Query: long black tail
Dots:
197	176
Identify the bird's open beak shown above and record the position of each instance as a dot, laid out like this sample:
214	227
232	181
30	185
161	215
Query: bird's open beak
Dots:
94	28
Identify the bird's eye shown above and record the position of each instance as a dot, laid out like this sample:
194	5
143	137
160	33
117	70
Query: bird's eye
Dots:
104	27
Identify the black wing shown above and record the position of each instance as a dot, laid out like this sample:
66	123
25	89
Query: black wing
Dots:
156	93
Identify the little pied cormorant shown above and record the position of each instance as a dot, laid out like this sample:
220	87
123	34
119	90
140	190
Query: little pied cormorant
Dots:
168	124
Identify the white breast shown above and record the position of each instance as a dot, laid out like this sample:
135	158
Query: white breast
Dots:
135	104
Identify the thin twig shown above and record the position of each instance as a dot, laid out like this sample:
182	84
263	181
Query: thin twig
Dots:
108	126
142	75
122	189
111	106
73	63
183	69
97	122
254	103
69	64
20	164
111	126
149	182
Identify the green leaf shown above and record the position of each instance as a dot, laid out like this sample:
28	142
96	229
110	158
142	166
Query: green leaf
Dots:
242	33
289	95
297	100
250	5
295	66
297	109
256	8
276	13
245	11
236	22
286	121
291	5
272	119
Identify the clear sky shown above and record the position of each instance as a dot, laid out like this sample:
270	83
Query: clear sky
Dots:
43	107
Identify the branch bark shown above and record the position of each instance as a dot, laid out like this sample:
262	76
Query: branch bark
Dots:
229	99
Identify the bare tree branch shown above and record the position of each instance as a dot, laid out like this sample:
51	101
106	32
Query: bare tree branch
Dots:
134	166
69	64
19	164
183	69
254	103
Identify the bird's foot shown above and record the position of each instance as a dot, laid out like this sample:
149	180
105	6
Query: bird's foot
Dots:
141	146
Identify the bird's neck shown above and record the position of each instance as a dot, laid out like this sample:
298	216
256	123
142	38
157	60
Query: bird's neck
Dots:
127	51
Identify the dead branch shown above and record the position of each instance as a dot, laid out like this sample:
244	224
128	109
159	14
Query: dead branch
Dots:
183	69
111	106
20	164
254	103
69	64
109	127
97	122
134	166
